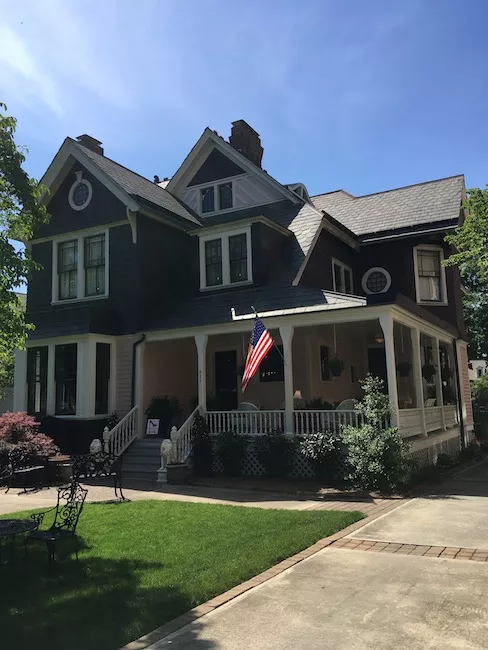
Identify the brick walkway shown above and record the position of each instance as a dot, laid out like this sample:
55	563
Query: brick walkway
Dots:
446	552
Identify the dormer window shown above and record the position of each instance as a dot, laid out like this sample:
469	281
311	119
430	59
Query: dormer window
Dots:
225	259
216	197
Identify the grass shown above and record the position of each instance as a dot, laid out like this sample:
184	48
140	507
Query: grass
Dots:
144	563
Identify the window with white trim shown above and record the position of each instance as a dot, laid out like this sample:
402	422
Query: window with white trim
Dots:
341	277
80	267
216	197
225	259
430	277
376	280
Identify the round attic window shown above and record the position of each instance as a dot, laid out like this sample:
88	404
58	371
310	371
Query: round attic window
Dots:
80	194
376	280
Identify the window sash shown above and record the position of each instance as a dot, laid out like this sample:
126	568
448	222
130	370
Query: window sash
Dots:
225	196
213	262
207	195
238	258
65	369
342	276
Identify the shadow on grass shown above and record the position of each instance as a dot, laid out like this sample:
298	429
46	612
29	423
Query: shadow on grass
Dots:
92	604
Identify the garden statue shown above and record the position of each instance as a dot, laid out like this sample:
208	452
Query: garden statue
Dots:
166	452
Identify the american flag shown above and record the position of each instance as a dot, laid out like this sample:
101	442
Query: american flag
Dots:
259	346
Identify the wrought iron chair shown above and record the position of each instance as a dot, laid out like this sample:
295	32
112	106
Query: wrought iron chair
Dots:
67	513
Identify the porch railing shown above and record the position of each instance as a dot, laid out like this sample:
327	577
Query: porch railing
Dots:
433	418
124	432
451	415
320	421
246	422
410	422
181	438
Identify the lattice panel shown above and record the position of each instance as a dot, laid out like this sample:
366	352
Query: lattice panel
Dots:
428	456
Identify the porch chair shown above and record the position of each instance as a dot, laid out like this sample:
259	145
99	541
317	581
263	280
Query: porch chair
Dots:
430	402
67	513
346	405
247	406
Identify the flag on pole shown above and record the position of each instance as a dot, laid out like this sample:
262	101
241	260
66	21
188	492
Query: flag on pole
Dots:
259	346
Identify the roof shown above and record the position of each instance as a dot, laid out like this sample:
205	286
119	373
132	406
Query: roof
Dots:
137	185
402	208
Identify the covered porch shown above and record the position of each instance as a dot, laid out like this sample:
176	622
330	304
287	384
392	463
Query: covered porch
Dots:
325	357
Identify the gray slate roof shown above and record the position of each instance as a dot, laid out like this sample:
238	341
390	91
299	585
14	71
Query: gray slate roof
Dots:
137	185
402	208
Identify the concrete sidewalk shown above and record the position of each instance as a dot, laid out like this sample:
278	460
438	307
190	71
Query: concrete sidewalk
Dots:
15	501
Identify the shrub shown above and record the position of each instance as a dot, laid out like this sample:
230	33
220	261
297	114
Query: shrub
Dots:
445	461
376	457
202	447
19	435
165	409
325	451
276	452
230	448
319	404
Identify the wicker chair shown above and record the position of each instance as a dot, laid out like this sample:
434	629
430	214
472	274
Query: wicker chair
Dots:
66	515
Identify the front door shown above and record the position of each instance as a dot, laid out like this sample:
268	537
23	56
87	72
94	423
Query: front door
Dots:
226	380
377	364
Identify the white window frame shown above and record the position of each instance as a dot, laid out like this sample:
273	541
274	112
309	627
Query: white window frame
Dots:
80	288
440	250
224	237
80	181
343	267
369	272
215	186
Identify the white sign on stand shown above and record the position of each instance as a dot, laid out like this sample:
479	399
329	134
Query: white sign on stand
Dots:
152	428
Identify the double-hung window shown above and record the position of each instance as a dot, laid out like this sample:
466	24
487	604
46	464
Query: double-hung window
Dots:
429	274
65	378
81	267
68	270
341	277
225	259
216	197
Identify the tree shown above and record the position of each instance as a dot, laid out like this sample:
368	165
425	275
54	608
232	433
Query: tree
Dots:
21	212
470	241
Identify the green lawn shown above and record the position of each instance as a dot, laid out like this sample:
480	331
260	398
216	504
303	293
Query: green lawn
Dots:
143	564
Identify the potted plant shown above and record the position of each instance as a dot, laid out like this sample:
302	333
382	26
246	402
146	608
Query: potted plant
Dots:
429	372
166	410
404	368
336	366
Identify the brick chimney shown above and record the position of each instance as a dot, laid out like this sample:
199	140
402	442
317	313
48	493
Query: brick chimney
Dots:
246	141
90	143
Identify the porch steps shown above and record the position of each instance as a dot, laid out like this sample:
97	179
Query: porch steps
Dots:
142	460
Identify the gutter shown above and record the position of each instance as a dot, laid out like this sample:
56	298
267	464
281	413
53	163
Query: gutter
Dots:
133	377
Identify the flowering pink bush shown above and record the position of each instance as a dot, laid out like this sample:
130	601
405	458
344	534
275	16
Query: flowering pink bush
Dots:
19	433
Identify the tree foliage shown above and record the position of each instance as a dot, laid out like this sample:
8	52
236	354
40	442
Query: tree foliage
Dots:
470	241
20	214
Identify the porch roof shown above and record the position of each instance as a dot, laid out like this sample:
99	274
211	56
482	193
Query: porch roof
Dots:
215	308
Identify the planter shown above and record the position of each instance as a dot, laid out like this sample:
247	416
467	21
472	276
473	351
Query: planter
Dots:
177	473
336	366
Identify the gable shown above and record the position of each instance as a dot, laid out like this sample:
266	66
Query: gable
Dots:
215	167
103	208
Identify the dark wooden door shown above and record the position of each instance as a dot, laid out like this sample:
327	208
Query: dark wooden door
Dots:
226	379
377	364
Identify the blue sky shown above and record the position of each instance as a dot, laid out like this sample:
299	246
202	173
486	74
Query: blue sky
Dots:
361	95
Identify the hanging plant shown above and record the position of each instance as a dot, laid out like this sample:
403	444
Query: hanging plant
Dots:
336	366
404	368
429	372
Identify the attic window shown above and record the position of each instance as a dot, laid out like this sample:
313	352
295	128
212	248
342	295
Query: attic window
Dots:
80	193
376	280
216	197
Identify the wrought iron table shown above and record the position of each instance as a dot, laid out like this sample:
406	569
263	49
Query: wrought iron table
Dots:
10	528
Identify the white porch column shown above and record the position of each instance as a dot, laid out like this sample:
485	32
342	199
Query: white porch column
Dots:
201	341
286	333
417	375
386	322
20	381
438	381
139	387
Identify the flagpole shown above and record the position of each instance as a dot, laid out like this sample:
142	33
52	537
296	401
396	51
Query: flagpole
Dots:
276	347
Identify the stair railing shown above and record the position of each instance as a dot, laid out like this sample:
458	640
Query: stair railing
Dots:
117	440
178	449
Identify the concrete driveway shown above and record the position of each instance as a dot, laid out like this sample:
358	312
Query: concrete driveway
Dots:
345	599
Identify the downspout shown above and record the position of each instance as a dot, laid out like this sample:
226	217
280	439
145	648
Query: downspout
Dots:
133	382
459	395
